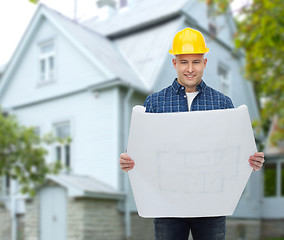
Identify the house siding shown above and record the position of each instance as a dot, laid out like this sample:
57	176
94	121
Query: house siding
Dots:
92	121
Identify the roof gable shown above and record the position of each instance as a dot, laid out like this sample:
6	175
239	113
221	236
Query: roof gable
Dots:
98	49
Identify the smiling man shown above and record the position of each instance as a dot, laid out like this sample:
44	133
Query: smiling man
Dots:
189	92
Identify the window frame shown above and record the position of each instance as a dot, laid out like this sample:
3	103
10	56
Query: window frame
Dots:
279	162
46	58
65	158
224	81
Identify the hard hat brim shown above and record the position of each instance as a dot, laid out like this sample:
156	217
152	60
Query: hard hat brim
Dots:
179	53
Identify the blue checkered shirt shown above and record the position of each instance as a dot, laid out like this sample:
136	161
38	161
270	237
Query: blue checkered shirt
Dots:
174	99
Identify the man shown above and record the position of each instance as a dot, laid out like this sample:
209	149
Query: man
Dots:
189	93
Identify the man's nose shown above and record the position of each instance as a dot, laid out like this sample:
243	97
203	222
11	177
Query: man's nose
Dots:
190	67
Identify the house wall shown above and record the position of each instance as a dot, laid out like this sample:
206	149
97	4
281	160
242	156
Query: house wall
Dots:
31	219
94	219
92	118
72	70
5	223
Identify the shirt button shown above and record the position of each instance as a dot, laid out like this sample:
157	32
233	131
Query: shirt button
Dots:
184	96
182	88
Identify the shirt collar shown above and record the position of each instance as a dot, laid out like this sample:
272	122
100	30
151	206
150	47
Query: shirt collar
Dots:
177	87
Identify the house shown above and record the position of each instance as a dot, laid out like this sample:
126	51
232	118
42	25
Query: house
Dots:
81	80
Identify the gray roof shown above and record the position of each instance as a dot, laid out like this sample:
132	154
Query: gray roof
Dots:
101	48
140	15
86	186
147	51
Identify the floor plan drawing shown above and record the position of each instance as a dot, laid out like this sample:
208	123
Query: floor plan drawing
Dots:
197	172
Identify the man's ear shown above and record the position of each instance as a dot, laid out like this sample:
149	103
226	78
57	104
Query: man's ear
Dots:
205	62
174	61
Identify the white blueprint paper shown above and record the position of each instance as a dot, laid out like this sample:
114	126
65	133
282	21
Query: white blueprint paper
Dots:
189	164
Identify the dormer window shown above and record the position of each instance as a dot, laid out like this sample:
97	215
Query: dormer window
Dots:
46	60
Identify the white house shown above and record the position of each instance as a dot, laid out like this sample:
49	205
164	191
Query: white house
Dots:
81	80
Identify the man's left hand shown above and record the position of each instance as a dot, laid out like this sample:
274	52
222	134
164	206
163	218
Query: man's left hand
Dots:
256	161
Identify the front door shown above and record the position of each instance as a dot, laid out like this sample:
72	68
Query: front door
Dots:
53	213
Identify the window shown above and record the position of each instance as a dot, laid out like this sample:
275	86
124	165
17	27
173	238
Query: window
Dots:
223	75
270	180
46	59
62	149
273	176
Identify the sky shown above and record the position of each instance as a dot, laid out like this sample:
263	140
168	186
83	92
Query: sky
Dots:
15	16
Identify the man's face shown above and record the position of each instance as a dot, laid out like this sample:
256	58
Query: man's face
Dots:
189	69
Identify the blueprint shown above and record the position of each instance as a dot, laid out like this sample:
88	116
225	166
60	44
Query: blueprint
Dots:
189	164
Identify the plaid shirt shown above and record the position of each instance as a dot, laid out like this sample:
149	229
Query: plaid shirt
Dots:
174	99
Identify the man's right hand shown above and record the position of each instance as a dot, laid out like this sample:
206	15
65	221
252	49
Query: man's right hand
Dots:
126	163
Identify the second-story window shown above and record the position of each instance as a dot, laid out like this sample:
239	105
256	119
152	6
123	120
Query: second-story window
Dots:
62	150
223	75
47	61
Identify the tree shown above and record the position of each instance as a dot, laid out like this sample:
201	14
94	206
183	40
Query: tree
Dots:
22	156
261	34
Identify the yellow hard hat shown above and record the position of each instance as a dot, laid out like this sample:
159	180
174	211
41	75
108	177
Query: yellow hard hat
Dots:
188	41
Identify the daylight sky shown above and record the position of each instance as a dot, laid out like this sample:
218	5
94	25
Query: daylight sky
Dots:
15	16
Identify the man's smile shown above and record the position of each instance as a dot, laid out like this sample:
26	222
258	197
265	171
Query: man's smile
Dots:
188	76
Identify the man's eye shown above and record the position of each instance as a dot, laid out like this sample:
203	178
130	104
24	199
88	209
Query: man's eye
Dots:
183	62
196	62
